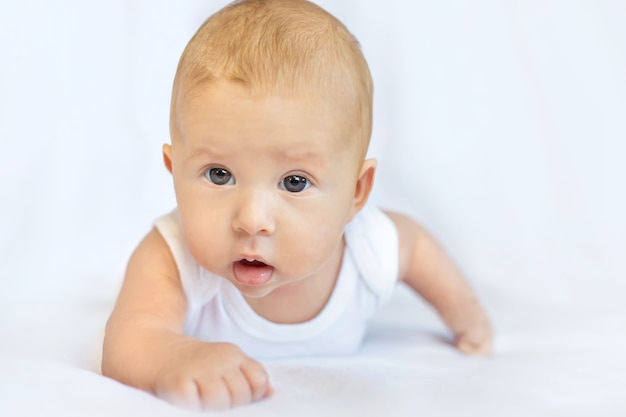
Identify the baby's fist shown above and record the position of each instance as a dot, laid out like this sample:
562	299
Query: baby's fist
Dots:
476	339
212	376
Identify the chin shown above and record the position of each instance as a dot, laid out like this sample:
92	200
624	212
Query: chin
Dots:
258	291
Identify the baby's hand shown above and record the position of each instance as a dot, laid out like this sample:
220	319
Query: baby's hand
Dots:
474	336
210	376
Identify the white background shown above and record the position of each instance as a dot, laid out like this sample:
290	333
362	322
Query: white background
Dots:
500	125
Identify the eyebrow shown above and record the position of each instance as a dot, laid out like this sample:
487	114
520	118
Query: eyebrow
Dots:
204	151
299	155
292	154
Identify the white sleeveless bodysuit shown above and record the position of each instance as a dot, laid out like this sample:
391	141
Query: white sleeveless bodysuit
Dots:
217	312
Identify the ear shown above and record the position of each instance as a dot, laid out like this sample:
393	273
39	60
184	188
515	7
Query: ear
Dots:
167	157
364	185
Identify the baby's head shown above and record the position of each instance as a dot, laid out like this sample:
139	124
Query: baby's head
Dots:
270	122
288	48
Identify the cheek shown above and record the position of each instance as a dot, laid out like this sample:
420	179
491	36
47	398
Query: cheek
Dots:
203	233
312	243
197	235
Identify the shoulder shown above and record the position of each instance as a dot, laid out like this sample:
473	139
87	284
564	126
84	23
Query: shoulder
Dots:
408	233
198	284
372	240
152	257
171	232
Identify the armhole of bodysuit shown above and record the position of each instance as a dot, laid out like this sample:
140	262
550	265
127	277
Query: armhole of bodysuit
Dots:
372	239
197	287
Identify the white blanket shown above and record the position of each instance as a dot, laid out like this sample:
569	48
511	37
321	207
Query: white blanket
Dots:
499	125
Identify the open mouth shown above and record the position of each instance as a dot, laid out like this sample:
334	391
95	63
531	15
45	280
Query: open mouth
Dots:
252	263
252	272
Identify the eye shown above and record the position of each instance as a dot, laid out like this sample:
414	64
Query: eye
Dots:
294	183
219	176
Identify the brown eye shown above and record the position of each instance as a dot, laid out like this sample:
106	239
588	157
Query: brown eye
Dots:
294	183
219	176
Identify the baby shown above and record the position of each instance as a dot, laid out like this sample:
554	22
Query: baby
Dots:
272	250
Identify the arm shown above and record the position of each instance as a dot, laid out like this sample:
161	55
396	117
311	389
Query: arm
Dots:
144	345
428	270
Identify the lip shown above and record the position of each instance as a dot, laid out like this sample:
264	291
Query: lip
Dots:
253	272
251	258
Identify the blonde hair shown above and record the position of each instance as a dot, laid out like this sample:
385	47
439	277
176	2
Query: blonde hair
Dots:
285	47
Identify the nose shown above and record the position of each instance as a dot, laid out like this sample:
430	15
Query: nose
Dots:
253	214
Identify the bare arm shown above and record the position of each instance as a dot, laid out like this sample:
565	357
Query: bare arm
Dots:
429	271
144	345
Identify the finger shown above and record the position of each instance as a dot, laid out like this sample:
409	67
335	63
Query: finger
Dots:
239	388
213	394
182	392
257	378
482	348
269	392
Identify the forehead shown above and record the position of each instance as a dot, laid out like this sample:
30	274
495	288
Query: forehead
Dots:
225	113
